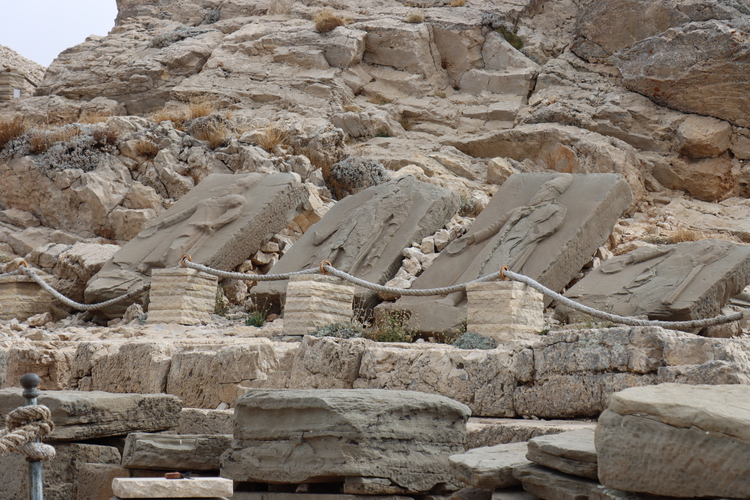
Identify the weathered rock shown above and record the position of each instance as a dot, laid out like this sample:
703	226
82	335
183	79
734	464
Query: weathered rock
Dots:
364	234
690	280
315	301
22	298
174	451
513	494
490	467
90	415
60	476
257	495
19	218
202	421
482	432
553	485
569	452
569	234
704	137
504	310
647	439
707	179
182	296
95	480
52	361
297	436
217	224
158	487
683	67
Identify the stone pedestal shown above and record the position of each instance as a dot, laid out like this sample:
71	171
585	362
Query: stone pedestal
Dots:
504	310
183	296
21	298
313	301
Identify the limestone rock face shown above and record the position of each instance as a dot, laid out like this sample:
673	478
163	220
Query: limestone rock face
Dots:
89	415
489	467
298	436
684	67
647	439
174	451
707	179
704	137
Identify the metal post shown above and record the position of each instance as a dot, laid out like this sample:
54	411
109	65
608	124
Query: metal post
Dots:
30	382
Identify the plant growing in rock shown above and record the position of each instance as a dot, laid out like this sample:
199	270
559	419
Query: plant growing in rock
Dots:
340	330
471	340
326	21
391	328
355	173
11	130
511	37
257	317
271	137
146	148
378	99
415	17
458	3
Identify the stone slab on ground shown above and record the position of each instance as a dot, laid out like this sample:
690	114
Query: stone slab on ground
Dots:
491	431
550	484
364	234
188	452
690	280
95	480
220	223
371	486
80	415
301	436
543	225
60	475
648	438
569	452
203	421
154	487
490	467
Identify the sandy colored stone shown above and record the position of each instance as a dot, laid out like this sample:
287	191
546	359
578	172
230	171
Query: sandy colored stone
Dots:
569	452
371	486
295	436
258	495
707	179
90	415
704	137
204	421
182	296
22	298
174	451
153	487
490	467
95	480
504	310
314	301
481	432
52	361
667	424
553	485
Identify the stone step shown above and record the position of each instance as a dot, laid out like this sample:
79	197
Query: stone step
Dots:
492	431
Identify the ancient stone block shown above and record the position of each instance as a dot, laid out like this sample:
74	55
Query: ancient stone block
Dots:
298	436
504	310
569	452
95	480
174	451
364	234
264	495
182	296
550	484
203	421
21	298
220	223
155	487
685	281
60	476
648	438
315	301
545	226
90	415
482	432
52	361
490	467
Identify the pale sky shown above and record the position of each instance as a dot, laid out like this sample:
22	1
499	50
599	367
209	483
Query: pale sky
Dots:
40	29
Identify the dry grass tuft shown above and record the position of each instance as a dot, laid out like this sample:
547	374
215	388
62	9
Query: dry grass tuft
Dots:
106	135
458	3
11	130
41	140
415	17
200	108
94	117
326	21
146	148
352	108
272	136
215	136
378	99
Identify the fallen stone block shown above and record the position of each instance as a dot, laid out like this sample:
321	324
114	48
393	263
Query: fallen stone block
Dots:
188	452
569	452
263	495
95	480
91	415
482	432
371	486
648	438
153	487
203	421
550	484
490	467
301	436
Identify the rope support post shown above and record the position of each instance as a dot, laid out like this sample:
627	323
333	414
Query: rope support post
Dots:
30	383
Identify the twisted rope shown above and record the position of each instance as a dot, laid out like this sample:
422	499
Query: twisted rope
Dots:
77	305
12	273
24	425
624	320
186	262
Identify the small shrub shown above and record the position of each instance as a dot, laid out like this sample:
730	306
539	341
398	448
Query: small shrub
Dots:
353	173
216	134
340	330
384	132
256	319
200	108
11	130
458	3
682	235
177	116
351	108
471	340
94	117
391	328
41	140
511	38
272	136
415	17
4	259
220	302
405	123
146	148
105	136
468	207
440	94
378	99
325	21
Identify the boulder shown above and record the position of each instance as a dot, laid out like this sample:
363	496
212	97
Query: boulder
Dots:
699	67
570	452
690	280
648	438
221	223
578	214
187	452
364	234
707	179
90	415
298	436
490	467
704	137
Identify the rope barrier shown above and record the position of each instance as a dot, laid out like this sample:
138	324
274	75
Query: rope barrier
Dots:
23	426
12	273
77	305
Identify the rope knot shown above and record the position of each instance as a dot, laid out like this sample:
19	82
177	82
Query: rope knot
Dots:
24	425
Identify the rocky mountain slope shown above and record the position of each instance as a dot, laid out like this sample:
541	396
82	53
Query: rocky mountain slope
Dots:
10	59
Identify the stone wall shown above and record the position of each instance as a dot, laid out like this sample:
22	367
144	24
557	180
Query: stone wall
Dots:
10	80
567	374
